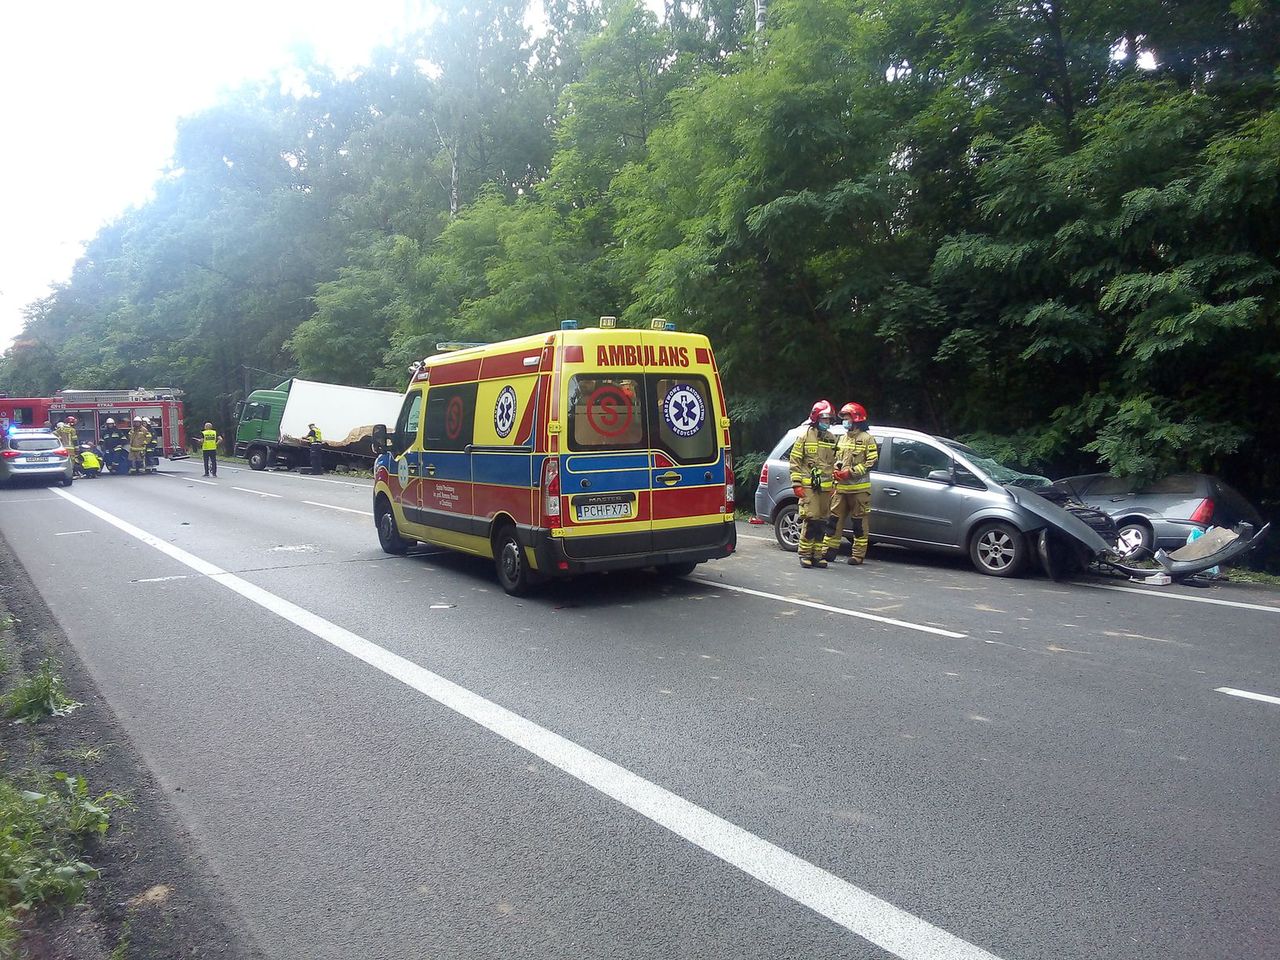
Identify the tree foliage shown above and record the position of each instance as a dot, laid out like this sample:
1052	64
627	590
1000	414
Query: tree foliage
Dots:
1048	226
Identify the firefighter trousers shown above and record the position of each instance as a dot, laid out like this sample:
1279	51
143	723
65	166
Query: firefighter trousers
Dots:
855	506
815	508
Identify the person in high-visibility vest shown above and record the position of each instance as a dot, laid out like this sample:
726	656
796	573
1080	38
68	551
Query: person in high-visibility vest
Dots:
856	456
66	434
209	441
316	439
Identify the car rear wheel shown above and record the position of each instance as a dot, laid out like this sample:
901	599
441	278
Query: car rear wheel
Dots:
1135	540
388	532
786	527
998	549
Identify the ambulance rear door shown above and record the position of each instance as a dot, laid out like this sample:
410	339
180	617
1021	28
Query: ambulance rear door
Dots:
604	481
688	436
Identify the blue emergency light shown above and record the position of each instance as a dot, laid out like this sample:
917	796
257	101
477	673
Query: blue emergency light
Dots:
568	324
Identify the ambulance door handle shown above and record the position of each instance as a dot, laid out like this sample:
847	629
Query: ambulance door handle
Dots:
669	478
431	469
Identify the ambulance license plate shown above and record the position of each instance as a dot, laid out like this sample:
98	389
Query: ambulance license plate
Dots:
602	509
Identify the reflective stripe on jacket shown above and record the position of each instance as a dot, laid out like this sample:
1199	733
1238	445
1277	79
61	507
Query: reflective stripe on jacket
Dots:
814	450
859	453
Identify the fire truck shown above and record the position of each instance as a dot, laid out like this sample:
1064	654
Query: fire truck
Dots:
91	408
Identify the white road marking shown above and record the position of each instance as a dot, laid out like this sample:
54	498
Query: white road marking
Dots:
161	579
827	608
363	513
298	476
179	476
71	533
258	492
1182	596
1265	698
30	500
858	911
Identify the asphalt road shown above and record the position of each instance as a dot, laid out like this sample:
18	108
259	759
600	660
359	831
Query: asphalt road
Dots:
388	757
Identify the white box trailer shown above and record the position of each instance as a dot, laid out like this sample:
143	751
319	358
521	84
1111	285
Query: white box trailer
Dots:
273	423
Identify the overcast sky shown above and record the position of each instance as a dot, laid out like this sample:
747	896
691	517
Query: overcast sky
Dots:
92	91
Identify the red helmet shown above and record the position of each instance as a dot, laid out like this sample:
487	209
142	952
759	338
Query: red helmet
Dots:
855	412
71	421
820	409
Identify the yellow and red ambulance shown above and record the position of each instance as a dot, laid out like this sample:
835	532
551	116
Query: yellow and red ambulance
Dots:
563	453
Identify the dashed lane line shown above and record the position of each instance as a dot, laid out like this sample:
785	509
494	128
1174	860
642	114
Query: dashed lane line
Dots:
827	608
862	913
179	476
1247	694
298	476
261	493
330	506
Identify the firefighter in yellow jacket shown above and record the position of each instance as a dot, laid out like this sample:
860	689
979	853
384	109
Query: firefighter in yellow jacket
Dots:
139	437
856	456
813	458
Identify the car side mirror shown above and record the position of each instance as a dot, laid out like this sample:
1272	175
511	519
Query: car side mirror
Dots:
942	476
381	443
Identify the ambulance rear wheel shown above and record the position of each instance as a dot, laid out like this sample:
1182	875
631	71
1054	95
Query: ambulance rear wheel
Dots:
388	533
509	559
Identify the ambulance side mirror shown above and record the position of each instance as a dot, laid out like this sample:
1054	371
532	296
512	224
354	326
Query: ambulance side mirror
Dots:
381	443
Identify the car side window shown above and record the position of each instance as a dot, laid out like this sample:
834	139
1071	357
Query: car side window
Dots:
915	458
450	419
967	478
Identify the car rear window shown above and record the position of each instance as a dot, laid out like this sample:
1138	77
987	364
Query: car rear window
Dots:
35	443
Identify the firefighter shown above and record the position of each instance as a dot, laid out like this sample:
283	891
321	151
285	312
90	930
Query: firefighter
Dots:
139	437
856	456
153	444
813	459
72	439
65	434
113	439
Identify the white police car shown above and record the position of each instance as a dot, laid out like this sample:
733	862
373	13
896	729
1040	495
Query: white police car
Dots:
34	453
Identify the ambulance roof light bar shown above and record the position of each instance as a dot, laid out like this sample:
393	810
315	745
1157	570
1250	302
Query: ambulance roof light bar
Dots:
568	324
660	323
608	323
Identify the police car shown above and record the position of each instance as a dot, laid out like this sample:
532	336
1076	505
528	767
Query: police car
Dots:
38	454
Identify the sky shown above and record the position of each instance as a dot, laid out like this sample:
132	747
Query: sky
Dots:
91	93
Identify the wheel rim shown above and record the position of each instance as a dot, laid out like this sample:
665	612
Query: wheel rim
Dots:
386	528
510	561
996	549
1130	541
790	527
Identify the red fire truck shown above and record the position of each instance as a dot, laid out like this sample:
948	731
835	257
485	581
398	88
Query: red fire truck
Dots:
91	408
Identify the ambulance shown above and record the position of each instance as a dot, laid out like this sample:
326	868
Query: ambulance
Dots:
563	453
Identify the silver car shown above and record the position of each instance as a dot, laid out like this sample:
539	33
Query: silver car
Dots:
1161	513
932	493
37	454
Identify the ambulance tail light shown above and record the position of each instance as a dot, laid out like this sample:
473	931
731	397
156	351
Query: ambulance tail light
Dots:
551	493
728	482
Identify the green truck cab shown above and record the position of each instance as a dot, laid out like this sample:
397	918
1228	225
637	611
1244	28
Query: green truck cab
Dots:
258	432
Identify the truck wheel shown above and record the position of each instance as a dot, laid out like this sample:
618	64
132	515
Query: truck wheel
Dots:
388	533
509	560
258	459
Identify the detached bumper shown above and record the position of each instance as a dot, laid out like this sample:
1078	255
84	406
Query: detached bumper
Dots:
566	557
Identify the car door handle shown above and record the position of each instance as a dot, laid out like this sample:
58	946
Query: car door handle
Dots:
669	478
891	491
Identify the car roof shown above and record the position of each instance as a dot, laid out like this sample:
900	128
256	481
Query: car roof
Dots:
882	431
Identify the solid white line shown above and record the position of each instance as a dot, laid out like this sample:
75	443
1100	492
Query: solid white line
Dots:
864	914
1182	596
258	492
826	608
179	476
69	533
363	513
1247	694
161	579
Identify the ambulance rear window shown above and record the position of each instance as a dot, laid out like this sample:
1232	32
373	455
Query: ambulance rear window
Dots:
681	408
606	413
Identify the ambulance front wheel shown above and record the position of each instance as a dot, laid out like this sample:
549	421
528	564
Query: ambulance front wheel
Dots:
509	559
388	533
